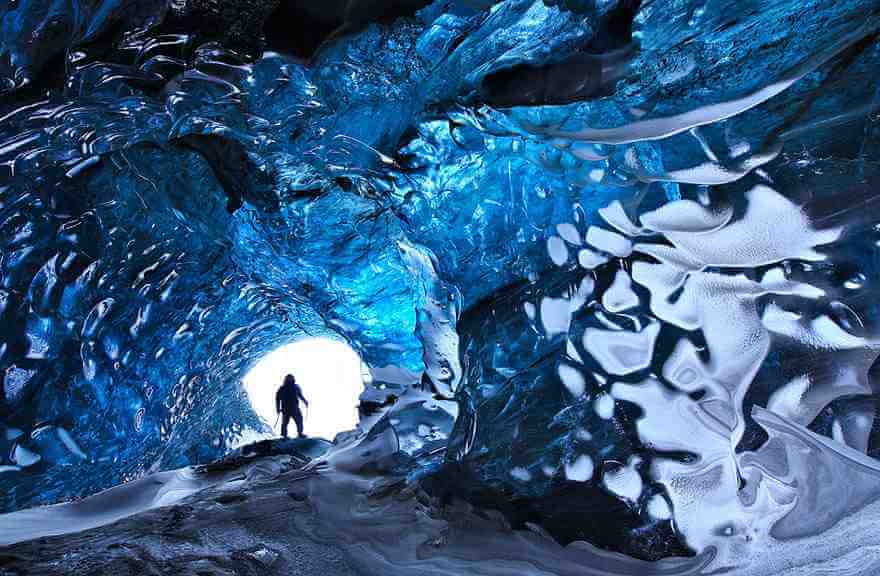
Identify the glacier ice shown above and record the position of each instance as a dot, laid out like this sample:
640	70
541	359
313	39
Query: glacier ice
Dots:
611	263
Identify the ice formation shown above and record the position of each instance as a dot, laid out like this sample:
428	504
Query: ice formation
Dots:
610	262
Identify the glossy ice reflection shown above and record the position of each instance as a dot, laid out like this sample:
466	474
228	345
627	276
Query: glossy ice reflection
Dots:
612	260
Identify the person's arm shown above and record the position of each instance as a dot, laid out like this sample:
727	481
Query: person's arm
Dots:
278	401
299	393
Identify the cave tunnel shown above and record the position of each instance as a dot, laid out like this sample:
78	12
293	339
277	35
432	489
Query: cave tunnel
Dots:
499	238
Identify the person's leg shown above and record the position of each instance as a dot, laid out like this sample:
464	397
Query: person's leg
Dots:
298	418
284	420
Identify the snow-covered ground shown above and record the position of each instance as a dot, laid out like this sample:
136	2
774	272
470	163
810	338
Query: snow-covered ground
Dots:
291	508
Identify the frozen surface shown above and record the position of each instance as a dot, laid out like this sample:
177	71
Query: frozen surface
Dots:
611	263
279	514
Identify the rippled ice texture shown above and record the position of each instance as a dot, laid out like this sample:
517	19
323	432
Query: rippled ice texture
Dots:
616	260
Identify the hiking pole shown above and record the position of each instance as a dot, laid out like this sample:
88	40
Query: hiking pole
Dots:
276	421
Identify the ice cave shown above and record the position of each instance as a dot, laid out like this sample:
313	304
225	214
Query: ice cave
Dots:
571	287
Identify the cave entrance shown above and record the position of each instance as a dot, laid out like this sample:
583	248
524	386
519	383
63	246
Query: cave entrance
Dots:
330	374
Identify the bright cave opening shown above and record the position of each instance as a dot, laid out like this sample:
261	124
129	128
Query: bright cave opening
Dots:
331	375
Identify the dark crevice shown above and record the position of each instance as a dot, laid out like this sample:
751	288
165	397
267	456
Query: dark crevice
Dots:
300	27
561	510
588	74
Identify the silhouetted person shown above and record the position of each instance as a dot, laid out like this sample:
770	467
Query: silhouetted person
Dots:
287	403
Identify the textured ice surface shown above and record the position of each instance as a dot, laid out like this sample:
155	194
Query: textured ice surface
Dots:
611	263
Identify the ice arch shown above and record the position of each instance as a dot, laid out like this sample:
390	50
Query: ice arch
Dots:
330	375
166	220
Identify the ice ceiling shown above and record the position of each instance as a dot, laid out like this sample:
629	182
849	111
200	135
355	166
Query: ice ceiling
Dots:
612	264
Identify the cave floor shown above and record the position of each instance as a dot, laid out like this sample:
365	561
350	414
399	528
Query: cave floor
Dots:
220	532
239	527
280	514
277	510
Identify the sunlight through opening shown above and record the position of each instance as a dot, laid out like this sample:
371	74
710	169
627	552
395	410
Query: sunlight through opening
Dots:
330	375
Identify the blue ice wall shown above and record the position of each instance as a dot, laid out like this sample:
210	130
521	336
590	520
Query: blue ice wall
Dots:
464	190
